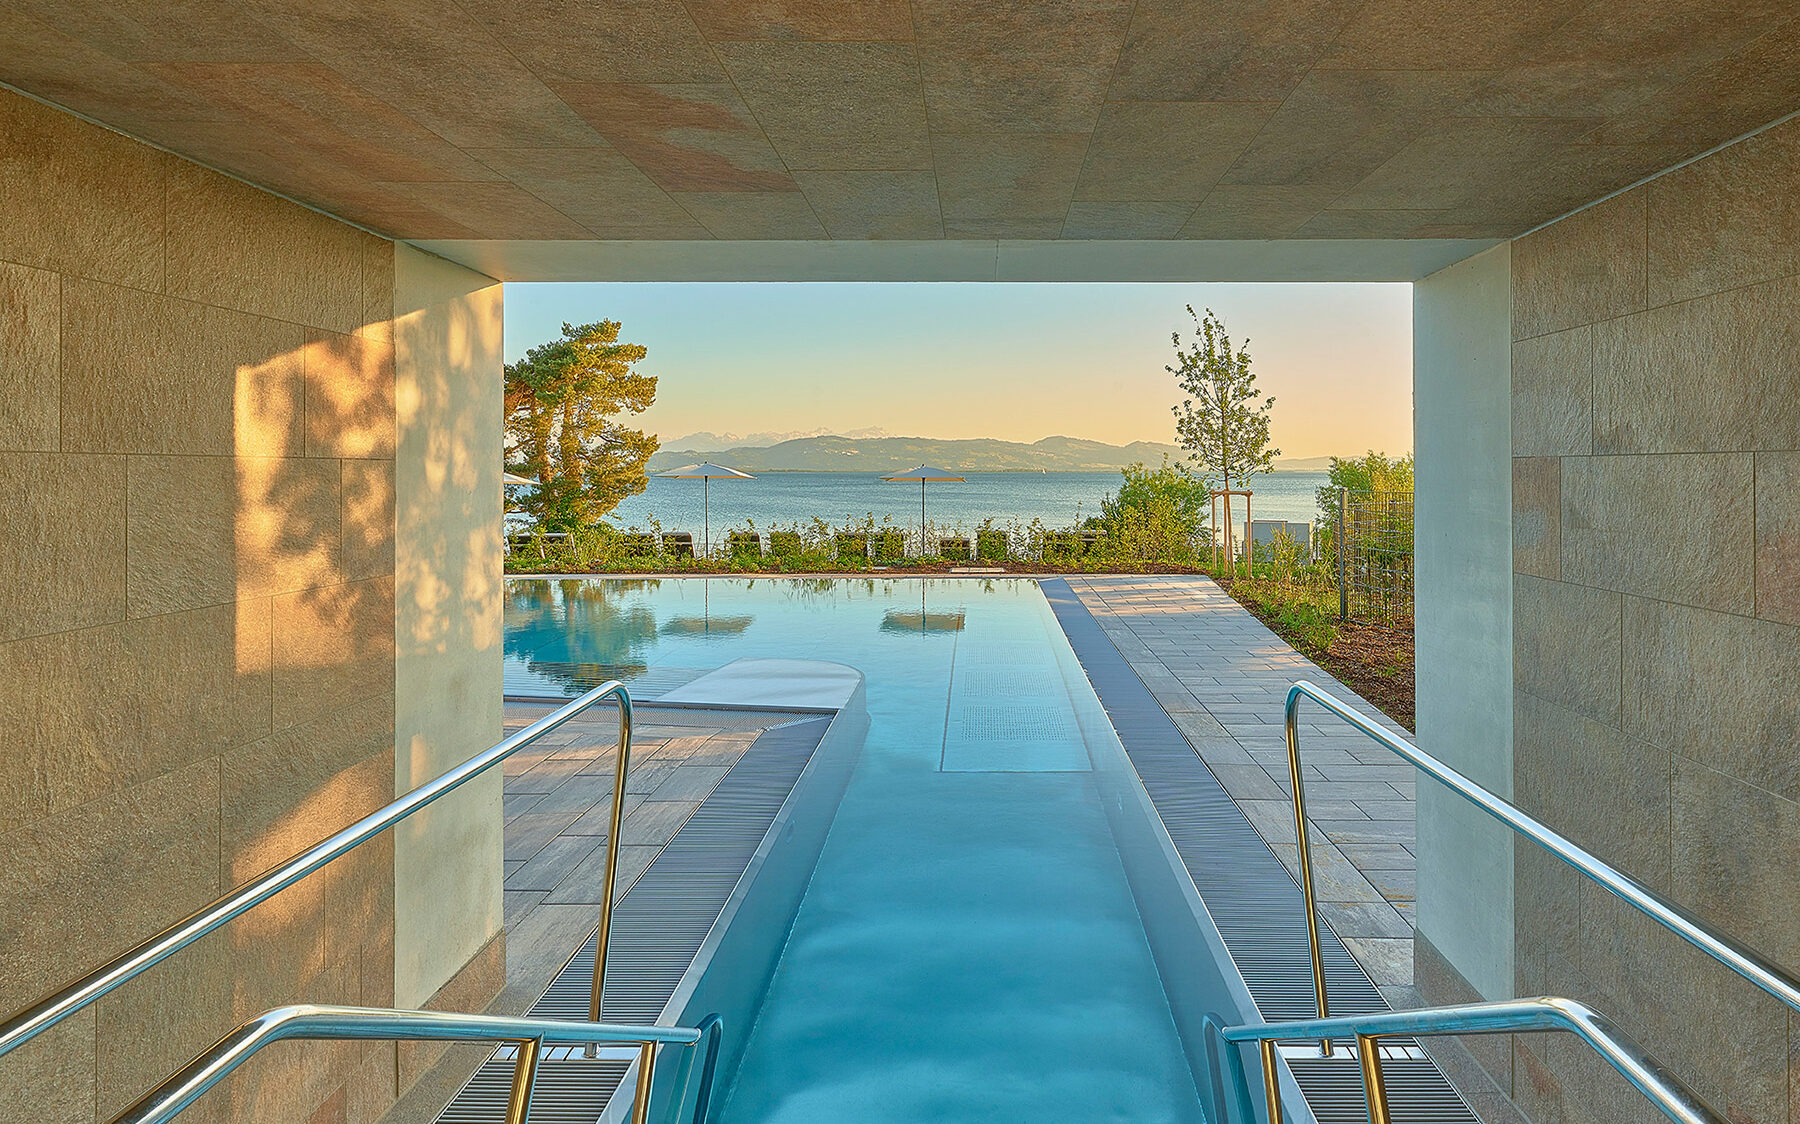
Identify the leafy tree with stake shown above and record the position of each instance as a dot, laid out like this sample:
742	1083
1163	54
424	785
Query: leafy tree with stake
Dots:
560	402
1223	420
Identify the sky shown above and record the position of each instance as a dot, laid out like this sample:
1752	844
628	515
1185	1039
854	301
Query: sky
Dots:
1011	361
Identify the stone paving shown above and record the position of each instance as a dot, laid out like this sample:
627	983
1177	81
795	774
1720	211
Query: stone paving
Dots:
1223	677
558	808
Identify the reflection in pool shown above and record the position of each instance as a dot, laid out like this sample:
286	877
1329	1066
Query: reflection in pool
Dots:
564	636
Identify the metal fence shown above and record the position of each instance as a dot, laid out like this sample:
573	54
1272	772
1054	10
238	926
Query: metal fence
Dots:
860	545
1373	546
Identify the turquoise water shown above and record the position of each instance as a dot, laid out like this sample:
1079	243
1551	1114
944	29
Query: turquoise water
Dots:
968	948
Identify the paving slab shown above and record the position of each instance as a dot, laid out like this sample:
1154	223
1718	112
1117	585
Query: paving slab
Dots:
1223	677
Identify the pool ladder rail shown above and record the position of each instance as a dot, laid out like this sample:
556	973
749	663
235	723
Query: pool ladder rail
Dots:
1673	1098
348	1022
530	1037
1546	1013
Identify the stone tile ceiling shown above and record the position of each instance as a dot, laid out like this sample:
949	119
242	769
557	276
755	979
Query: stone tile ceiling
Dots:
865	119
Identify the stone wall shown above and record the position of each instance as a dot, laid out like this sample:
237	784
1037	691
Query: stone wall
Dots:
197	643
1656	495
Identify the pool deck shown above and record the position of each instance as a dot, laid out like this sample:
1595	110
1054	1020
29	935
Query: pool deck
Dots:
1222	676
557	808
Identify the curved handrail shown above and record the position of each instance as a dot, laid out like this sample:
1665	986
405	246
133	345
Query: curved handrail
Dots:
1740	958
308	1021
46	1013
1650	1077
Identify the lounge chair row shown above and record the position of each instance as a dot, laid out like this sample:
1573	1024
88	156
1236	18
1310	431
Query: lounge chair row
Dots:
880	546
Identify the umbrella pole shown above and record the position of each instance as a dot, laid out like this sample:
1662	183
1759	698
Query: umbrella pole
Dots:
922	551
706	514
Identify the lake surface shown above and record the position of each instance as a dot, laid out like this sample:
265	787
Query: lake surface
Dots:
1057	498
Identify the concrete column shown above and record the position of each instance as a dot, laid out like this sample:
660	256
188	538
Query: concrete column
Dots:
1462	419
447	618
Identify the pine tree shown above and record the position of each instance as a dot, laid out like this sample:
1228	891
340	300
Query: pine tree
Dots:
560	402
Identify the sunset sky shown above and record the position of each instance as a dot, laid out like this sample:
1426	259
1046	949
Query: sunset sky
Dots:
1012	361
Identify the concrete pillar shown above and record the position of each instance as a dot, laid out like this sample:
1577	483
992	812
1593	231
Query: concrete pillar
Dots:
447	627
1462	418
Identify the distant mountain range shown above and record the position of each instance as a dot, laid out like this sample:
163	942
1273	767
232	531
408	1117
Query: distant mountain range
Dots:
851	453
706	442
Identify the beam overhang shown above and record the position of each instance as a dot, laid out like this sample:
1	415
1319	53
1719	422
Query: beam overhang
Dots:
960	260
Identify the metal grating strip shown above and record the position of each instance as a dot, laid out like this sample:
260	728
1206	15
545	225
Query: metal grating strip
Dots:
658	928
1255	902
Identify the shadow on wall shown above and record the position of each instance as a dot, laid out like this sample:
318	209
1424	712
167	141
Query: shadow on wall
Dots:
305	552
314	546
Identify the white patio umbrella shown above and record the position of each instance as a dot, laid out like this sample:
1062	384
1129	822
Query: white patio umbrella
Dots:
707	472
924	474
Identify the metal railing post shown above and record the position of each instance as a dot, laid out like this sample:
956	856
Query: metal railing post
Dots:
1304	851
602	938
1271	1079
640	1099
1368	1051
518	1104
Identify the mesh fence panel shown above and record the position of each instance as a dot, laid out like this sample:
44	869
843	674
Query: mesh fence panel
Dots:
1378	556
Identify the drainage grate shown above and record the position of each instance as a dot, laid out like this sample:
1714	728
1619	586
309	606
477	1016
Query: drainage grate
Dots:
987	681
658	928
567	1089
1256	904
1015	723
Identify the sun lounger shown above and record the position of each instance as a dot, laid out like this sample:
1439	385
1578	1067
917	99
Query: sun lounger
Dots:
744	544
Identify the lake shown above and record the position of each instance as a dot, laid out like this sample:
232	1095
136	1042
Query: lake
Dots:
1057	498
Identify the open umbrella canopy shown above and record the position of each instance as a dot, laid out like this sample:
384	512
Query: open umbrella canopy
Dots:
706	471
509	478
925	473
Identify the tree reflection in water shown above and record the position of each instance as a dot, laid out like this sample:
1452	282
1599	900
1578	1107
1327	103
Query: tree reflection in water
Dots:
580	633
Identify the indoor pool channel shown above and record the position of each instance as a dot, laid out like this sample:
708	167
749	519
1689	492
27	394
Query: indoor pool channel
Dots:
996	927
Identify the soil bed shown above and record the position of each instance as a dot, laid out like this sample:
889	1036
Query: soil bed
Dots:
1375	661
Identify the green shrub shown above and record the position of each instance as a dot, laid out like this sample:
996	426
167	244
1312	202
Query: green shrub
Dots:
1156	516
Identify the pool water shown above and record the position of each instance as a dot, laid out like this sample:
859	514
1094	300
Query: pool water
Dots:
968	948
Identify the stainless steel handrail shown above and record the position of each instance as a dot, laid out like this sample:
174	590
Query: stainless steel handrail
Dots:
1740	958
306	1021
1649	1076
46	1013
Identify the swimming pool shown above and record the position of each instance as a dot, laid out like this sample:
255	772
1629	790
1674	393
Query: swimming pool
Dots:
970	946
